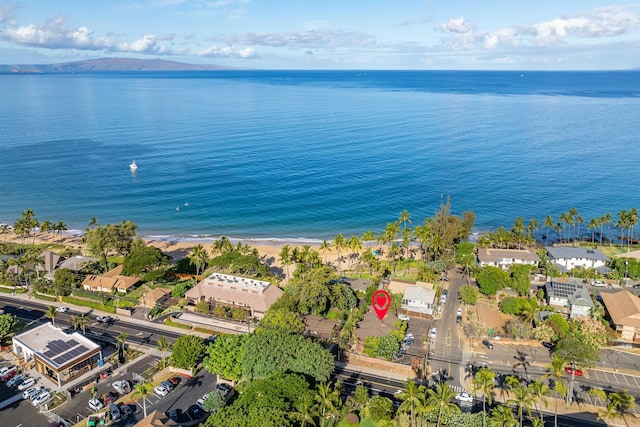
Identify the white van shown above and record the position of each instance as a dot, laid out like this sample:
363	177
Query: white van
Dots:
29	394
42	397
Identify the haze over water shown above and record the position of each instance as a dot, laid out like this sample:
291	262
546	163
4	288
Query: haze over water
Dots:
307	155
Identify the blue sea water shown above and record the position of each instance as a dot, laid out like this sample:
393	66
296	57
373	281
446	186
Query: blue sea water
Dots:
309	154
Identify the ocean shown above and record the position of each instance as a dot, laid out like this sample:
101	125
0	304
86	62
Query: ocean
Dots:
305	155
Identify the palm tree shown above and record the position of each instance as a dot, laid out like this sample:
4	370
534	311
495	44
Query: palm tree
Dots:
368	237
502	416
142	391
59	227
45	227
594	223
484	381
539	391
285	257
440	399
623	403
163	346
82	321
604	220
412	399
198	257
304	412
51	313
121	339
338	243
608	413
532	227
621	223
325	247
4	230
549	224
74	321
467	260
523	399
327	400
556	371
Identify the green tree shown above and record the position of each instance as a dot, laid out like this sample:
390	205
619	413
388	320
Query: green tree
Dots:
121	339
82	320
484	382
371	345
214	401
187	351
623	402
556	372
110	238
225	355
198	257
539	391
304	411
273	351
522	398
412	399
51	313
492	279
8	325
379	408
141	258
163	346
574	348
502	416
327	401
468	294
65	280
142	391
440	400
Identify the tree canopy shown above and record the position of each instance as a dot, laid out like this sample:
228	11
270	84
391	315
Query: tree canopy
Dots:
110	238
8	324
187	351
141	258
275	351
224	356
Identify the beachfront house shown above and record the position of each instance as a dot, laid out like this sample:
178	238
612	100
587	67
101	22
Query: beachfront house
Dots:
504	258
419	301
256	296
571	296
566	258
111	281
623	308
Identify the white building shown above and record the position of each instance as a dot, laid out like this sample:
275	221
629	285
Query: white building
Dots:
567	258
570	294
503	258
419	300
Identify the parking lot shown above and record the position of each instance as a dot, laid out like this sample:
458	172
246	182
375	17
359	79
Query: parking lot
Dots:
20	412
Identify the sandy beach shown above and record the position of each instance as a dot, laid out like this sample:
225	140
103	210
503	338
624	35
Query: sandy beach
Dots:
178	249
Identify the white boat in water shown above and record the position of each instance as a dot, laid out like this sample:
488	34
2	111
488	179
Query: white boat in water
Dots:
133	166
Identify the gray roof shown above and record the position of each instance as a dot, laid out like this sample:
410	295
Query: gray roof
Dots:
567	252
576	293
77	262
419	293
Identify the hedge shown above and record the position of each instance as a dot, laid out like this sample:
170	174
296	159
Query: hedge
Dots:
90	304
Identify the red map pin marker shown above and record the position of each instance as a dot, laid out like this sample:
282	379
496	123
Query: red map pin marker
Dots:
381	301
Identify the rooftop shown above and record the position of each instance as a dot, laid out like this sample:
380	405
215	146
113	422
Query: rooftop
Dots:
55	346
623	307
237	281
496	255
568	252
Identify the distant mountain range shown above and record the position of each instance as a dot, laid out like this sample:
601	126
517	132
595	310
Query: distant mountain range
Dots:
109	64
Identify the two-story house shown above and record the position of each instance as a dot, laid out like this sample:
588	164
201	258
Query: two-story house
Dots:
504	258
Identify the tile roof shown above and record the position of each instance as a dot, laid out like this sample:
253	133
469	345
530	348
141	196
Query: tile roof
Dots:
623	307
156	419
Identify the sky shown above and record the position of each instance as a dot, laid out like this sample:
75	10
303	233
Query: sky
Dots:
328	34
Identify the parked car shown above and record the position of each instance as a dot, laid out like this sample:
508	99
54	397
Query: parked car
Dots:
95	404
195	413
122	387
110	397
9	374
433	333
32	392
17	379
458	319
6	369
161	391
115	412
487	344
569	370
104	319
168	385
26	383
174	414
62	309
408	335
548	345
404	317
459	312
125	410
223	388
175	380
42	397
464	397
599	284
200	402
443	297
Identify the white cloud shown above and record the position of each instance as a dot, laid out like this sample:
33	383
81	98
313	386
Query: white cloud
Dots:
304	39
229	52
54	34
598	23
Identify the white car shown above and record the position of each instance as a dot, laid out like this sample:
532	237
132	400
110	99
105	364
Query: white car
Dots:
599	284
433	334
31	393
28	382
464	397
42	397
62	309
404	317
459	312
12	381
95	404
161	390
